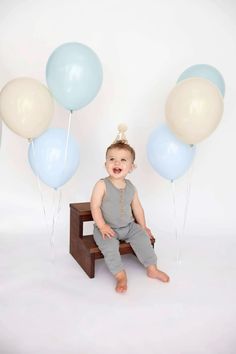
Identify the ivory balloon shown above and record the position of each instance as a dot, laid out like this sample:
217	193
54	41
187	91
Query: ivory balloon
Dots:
194	109
26	106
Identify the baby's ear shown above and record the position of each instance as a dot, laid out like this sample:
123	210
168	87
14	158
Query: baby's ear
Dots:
132	168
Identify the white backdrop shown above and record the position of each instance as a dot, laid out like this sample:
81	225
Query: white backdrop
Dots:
144	46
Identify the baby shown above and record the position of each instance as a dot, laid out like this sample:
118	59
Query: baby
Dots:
115	205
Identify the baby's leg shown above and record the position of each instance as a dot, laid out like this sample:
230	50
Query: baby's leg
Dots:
155	273
121	282
112	257
143	249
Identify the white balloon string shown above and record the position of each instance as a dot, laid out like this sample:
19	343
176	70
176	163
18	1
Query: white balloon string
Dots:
52	235
39	185
59	202
56	210
178	258
187	198
67	137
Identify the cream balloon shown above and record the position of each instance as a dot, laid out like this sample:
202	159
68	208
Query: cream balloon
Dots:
26	106
194	109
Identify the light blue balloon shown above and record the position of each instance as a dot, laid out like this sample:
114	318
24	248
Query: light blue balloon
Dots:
47	157
74	75
207	72
169	156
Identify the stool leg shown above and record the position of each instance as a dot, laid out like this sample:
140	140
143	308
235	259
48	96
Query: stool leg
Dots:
77	247
85	259
88	265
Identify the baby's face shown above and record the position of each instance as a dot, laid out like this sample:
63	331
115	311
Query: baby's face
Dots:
119	163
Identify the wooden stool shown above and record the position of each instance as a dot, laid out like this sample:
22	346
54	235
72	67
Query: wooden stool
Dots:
83	248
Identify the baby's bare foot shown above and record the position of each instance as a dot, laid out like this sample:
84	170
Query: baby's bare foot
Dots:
153	272
121	282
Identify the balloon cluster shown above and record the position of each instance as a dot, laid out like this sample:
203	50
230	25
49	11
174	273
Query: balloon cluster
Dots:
74	77
193	111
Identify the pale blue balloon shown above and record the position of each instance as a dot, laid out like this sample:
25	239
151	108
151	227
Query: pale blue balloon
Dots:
169	156
74	75
49	158
207	72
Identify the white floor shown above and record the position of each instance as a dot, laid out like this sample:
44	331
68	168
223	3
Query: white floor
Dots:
49	307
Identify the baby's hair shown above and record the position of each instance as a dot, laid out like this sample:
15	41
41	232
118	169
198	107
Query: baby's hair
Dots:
122	145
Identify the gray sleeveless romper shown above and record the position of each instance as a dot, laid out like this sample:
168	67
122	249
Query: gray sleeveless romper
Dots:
117	212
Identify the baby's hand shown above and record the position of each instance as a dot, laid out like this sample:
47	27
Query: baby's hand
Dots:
106	231
149	233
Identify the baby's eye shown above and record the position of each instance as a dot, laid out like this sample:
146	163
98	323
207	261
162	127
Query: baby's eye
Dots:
123	159
111	159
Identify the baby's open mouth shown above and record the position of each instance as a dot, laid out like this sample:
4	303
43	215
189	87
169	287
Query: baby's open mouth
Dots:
117	170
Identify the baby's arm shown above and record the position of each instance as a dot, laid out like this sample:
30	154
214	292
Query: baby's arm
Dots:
139	214
95	204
